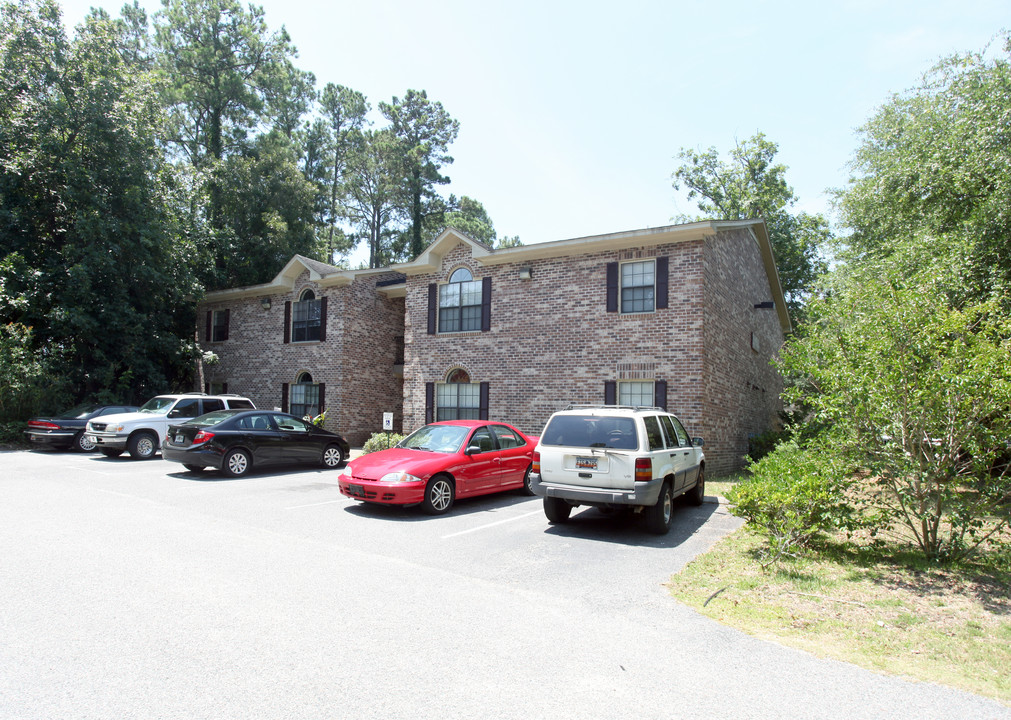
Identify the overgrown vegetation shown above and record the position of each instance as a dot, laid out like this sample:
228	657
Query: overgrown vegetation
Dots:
900	375
792	496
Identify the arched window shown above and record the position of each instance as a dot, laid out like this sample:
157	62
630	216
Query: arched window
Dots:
305	396
458	398
460	303
305	317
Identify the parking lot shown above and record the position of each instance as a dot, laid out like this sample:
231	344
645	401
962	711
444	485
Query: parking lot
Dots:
138	589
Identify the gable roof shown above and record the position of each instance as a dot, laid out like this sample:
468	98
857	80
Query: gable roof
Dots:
431	259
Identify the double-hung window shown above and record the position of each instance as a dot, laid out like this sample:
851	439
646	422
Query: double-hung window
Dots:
638	286
304	401
305	318
458	398
460	302
636	393
219	330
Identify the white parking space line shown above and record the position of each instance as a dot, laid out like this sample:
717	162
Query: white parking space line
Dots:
87	469
490	525
325	502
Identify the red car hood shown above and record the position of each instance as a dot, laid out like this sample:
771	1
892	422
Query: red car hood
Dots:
416	462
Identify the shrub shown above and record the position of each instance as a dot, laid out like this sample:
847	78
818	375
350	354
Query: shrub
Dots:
794	494
13	434
381	441
762	444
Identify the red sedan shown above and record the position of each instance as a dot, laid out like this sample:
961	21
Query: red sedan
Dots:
441	462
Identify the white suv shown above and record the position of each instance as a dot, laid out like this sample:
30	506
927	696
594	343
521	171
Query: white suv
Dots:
142	432
612	456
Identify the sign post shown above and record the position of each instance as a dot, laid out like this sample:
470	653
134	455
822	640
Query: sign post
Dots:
387	426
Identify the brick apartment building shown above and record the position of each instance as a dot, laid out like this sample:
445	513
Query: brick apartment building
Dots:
687	317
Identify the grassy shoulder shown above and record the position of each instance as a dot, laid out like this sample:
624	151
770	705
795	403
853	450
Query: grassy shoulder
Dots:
887	611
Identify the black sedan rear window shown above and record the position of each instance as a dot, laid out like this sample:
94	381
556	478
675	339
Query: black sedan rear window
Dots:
590	431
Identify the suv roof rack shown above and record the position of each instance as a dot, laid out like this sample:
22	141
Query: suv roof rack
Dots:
194	393
596	406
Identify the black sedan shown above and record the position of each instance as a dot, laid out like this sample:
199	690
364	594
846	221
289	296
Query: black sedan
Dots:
236	441
66	430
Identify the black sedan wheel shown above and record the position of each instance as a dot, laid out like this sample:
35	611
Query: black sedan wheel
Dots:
332	456
237	463
82	443
439	495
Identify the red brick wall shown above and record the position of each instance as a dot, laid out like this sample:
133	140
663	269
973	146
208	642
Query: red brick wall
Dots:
355	361
741	388
552	342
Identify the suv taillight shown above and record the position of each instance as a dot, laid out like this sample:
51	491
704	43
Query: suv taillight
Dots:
202	437
535	465
643	469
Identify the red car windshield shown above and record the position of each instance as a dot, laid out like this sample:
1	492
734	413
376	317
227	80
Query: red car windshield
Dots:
436	438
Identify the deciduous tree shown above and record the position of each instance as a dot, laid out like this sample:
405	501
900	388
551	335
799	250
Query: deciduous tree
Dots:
749	185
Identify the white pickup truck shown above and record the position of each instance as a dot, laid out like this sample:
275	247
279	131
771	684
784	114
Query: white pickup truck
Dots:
141	433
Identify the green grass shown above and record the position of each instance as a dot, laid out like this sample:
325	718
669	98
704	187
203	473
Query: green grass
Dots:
885	611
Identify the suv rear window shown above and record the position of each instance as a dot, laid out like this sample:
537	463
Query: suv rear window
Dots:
590	431
240	403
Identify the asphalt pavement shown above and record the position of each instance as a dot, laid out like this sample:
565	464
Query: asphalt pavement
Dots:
139	590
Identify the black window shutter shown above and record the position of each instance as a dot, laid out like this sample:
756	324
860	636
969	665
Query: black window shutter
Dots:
284	397
660	394
485	307
612	287
322	320
322	396
432	299
610	392
661	283
484	401
207	331
287	324
228	318
429	402
207	388
224	388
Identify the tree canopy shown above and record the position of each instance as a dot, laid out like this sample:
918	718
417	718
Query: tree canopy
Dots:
902	374
90	260
143	163
749	185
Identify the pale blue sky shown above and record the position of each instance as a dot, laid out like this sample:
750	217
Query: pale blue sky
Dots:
571	113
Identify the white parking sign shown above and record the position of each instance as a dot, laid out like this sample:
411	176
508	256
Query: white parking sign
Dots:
387	421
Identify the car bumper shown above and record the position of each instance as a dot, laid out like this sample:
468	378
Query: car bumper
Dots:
109	440
60	438
644	493
379	492
204	457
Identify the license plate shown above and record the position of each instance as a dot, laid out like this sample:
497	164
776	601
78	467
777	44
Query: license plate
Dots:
357	490
586	463
180	439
